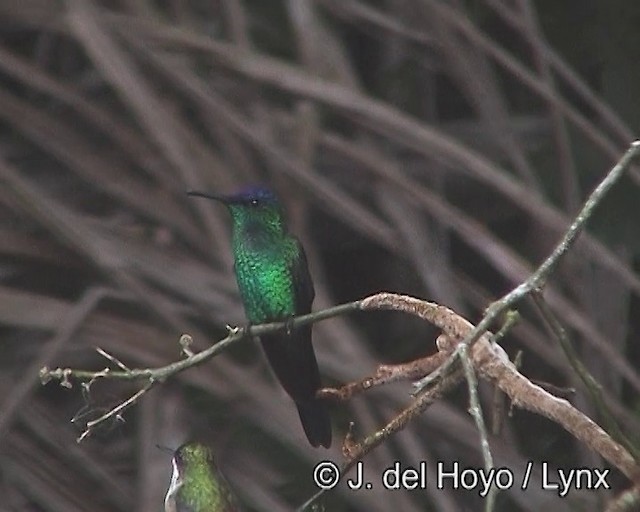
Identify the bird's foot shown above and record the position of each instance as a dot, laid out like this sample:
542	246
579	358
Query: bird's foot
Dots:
288	325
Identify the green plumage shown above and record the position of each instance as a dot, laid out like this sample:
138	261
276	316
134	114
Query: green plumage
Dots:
275	285
196	484
264	257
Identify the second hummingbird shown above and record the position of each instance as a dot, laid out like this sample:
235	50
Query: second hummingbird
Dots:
197	485
275	285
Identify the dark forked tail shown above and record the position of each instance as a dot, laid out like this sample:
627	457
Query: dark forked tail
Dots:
316	422
293	361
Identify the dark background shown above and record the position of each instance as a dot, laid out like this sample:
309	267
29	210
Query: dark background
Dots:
432	148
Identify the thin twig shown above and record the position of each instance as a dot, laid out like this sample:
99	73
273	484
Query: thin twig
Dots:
359	450
476	411
385	374
511	319
235	335
121	407
113	359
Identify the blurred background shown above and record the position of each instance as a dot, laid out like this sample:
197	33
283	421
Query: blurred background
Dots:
428	147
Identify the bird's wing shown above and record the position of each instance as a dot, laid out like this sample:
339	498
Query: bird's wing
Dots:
302	283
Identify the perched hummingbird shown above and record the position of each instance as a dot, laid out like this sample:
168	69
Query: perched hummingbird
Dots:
196	484
275	285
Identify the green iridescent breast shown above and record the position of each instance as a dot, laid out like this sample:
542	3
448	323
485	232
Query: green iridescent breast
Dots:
205	495
263	272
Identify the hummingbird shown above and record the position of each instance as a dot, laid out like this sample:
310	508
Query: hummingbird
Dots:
196	483
274	282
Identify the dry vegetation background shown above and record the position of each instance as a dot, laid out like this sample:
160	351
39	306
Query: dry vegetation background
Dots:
426	147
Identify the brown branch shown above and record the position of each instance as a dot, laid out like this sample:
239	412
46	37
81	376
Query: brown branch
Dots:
385	374
492	363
